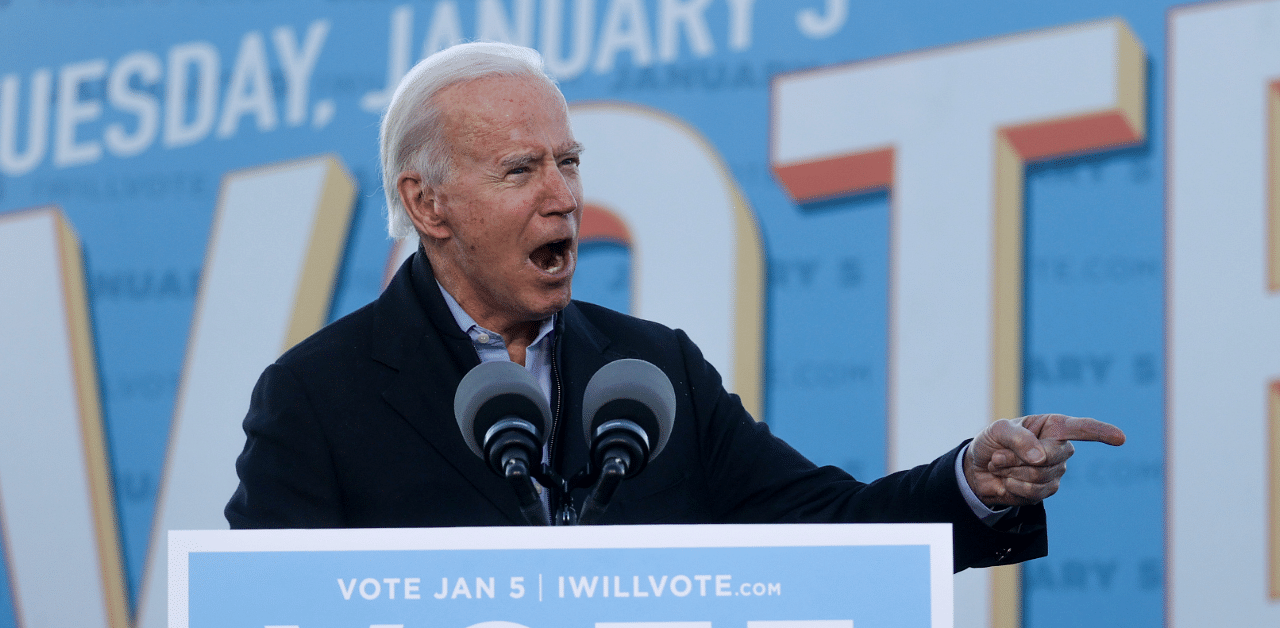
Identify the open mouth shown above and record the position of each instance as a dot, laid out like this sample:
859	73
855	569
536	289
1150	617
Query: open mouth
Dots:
552	256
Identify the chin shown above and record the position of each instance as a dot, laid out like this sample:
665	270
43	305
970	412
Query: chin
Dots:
543	304
560	302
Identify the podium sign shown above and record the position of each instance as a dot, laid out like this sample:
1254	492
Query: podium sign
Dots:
712	576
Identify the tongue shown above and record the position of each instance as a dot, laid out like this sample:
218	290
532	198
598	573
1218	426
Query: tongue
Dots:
548	257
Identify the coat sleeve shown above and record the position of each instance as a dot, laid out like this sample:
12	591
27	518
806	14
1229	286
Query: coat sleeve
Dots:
286	474
756	477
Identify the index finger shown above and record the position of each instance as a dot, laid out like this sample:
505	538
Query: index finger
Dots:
1083	429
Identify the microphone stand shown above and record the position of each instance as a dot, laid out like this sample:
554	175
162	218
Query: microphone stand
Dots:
611	475
562	489
620	451
516	471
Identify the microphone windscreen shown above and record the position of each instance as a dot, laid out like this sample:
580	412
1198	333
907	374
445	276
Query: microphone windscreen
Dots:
635	390
493	391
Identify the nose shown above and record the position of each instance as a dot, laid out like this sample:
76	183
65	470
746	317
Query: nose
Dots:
561	193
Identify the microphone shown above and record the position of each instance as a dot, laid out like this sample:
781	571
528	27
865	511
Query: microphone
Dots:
504	419
628	410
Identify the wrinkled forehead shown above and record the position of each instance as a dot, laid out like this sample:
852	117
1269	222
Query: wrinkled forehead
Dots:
498	108
501	94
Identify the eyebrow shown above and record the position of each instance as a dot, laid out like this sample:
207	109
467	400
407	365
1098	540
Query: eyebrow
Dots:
517	161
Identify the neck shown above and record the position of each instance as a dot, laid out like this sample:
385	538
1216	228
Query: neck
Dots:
518	338
517	334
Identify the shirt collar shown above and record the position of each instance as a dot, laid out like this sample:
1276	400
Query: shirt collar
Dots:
473	329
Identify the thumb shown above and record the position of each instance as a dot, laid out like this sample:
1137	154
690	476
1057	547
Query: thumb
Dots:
1010	435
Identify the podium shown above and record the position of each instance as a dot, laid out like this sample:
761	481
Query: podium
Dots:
704	576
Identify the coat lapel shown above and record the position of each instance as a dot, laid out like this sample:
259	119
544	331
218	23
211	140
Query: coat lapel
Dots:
418	336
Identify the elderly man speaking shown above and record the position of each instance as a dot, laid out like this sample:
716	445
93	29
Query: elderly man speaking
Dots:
354	427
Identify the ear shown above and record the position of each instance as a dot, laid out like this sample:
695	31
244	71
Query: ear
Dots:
420	201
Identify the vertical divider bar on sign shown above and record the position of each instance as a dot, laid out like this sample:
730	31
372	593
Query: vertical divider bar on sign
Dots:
1006	336
748	322
268	277
324	255
101	490
1273	493
57	508
1273	394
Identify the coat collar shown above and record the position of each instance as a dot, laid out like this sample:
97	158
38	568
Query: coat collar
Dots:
417	335
411	311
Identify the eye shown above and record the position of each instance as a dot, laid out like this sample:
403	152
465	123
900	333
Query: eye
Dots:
518	170
570	161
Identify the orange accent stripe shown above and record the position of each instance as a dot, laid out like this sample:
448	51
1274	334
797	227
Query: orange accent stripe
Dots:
600	224
836	176
1070	136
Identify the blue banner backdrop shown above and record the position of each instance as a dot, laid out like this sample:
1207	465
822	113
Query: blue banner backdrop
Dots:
136	167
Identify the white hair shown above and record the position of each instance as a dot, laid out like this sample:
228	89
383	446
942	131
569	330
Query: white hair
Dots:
412	134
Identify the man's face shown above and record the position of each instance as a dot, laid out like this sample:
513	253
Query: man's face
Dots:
510	206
